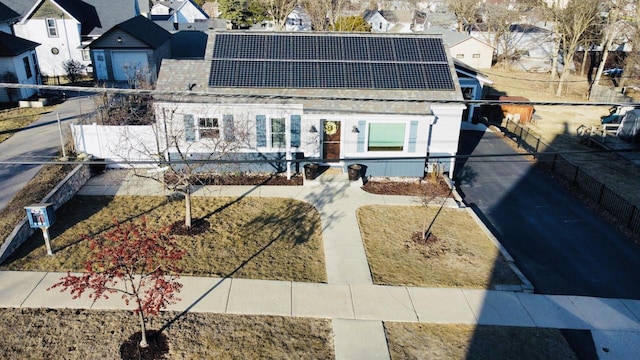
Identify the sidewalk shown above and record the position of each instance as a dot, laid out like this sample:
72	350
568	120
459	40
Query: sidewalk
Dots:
356	306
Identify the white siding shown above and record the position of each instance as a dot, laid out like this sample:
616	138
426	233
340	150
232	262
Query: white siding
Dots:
67	42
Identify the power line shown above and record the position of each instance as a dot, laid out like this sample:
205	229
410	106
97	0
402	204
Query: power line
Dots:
162	162
280	96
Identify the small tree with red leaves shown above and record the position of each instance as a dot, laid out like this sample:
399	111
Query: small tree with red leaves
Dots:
135	261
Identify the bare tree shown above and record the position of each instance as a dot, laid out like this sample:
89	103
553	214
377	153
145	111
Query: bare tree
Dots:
325	13
572	23
500	21
465	12
278	10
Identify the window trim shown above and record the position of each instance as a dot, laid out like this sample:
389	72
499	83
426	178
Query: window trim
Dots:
27	67
199	128
51	24
86	54
271	133
405	137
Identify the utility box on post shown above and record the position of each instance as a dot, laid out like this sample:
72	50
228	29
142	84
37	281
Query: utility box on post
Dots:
42	216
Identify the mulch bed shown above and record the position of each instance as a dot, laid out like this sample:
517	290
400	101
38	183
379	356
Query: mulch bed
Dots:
429	188
241	179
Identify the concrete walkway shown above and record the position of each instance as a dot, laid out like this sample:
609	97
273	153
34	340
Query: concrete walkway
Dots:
356	306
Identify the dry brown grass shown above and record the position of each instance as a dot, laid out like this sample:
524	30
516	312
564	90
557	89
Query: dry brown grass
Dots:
35	190
14	119
276	239
84	335
440	341
469	258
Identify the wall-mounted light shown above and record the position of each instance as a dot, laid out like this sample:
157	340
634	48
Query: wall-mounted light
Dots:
355	129
313	129
119	40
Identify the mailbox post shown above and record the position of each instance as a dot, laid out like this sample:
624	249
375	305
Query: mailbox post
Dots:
42	216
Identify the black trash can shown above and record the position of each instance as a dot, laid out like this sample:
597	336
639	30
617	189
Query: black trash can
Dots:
97	169
310	171
354	172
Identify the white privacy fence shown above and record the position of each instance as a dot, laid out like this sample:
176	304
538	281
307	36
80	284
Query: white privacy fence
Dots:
122	144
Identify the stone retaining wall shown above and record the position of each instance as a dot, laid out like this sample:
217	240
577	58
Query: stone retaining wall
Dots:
64	191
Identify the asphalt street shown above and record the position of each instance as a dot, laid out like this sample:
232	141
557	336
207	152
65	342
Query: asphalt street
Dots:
561	245
39	141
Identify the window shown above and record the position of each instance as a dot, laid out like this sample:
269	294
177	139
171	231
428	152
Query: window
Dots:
278	133
476	56
459	56
27	67
386	137
86	56
52	29
209	128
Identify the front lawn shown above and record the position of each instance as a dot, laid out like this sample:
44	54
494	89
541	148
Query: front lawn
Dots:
14	119
277	239
92	334
461	256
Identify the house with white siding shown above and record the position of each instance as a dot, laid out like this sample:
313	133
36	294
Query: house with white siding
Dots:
390	102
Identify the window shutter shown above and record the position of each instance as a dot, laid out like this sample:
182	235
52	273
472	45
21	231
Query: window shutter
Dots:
413	136
295	130
228	128
261	131
361	127
189	128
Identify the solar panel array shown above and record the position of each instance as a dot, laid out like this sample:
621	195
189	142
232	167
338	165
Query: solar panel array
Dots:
329	61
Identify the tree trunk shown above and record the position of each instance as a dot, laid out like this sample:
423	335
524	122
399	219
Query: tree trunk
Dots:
187	204
143	329
554	59
565	73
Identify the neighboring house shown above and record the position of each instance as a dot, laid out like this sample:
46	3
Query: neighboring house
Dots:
130	49
65	27
188	44
211	8
465	48
379	24
314	96
180	13
298	20
530	47
17	57
7	18
472	84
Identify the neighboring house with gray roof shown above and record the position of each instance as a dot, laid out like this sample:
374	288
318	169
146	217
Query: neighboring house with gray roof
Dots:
18	62
66	27
465	48
181	14
7	18
317	97
129	50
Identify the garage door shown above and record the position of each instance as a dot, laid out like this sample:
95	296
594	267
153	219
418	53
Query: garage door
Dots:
127	63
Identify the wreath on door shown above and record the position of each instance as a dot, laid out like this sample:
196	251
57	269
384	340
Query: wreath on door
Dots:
330	127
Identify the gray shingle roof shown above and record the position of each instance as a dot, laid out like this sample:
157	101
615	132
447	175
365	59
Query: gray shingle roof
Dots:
144	30
11	45
7	13
180	75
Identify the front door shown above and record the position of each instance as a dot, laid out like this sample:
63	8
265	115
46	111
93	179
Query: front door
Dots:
100	64
331	140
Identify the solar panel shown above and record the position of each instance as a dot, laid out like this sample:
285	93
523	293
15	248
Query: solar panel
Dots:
385	75
381	49
304	74
438	77
330	61
355	48
277	74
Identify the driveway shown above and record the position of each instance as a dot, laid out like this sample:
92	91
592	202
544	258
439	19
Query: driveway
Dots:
562	246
